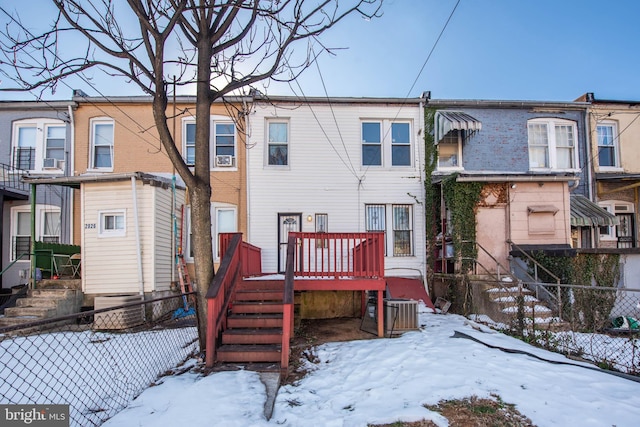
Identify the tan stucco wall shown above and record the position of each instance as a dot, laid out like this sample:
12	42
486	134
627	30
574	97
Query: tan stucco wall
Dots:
531	194
625	116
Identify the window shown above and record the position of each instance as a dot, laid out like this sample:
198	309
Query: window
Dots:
371	144
322	226
112	224
51	227
189	143
450	151
386	143
608	156
39	145
278	145
225	139
552	144
22	235
402	230
225	222
47	228
102	144
400	144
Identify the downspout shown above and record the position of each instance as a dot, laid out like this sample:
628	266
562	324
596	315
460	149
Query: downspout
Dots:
69	172
248	169
420	145
32	196
137	227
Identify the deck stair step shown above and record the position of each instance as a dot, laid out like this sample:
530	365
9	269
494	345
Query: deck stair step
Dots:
252	336
259	307
249	353
254	325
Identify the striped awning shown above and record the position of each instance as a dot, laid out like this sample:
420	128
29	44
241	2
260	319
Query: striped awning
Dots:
446	121
585	213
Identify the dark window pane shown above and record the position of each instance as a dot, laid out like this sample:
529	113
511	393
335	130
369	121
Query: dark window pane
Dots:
606	156
278	155
400	155
371	155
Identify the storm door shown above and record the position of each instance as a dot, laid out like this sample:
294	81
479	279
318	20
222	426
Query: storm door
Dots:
624	231
286	222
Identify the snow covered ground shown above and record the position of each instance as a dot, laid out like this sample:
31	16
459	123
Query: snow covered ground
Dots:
377	381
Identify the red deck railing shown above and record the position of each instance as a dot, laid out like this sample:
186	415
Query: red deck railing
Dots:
220	293
251	255
335	255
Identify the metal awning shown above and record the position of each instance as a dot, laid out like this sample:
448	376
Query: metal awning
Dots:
585	213
447	121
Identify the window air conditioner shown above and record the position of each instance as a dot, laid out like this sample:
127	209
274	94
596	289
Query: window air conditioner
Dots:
50	163
224	161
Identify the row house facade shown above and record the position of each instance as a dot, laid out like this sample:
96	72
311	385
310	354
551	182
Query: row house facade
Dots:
337	165
533	163
35	139
614	157
556	175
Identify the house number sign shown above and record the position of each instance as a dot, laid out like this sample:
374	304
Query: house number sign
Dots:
89	226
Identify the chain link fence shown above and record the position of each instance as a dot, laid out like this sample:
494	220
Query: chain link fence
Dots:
97	361
592	323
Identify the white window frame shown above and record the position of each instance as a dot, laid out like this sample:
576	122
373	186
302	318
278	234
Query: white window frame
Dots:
41	127
214	143
387	225
552	146
40	214
116	232
449	135
616	145
269	142
214	120
216	226
386	143
188	122
92	152
610	206
215	231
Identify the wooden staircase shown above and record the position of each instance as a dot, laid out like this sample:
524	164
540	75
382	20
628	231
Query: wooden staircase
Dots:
254	325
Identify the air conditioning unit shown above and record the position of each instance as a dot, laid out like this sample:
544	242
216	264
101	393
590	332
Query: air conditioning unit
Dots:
50	163
122	318
224	161
400	315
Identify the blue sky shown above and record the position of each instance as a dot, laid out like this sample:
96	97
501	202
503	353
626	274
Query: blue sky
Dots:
546	50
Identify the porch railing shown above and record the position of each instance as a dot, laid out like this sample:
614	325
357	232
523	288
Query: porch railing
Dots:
335	255
221	292
10	179
251	255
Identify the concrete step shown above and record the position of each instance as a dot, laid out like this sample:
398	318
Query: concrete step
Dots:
52	293
33	313
252	336
37	302
249	353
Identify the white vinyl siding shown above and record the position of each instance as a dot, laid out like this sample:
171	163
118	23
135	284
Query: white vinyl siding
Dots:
120	274
326	176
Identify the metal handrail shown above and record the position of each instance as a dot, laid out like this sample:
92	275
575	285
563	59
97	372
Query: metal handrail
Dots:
13	262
